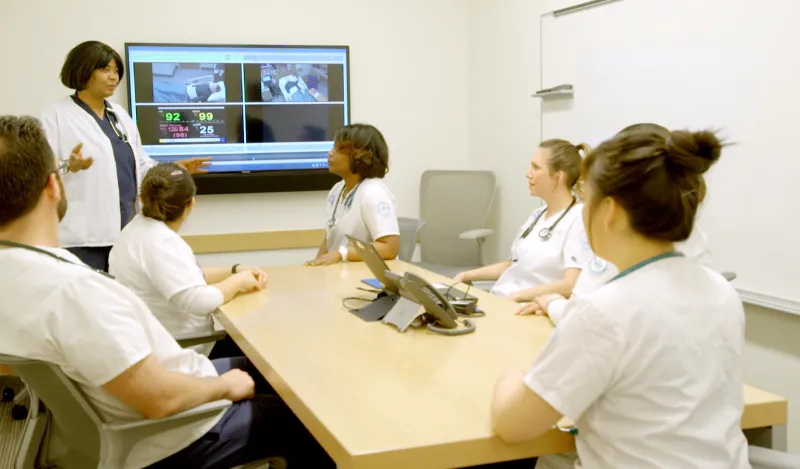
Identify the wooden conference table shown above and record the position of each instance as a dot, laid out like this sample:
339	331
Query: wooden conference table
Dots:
377	398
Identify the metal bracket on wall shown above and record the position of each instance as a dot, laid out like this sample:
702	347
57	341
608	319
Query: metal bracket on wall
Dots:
560	91
581	6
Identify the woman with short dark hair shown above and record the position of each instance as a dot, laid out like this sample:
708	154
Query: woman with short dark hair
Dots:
100	150
360	205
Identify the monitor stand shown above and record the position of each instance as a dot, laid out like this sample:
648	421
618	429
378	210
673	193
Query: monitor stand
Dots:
403	314
379	308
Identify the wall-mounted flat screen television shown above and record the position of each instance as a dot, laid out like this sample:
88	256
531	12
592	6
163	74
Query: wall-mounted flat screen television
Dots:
267	115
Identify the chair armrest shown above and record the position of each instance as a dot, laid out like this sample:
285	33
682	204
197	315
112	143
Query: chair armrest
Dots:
118	439
478	234
203	335
197	413
763	458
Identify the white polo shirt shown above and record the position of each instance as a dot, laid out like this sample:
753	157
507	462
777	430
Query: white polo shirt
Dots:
649	367
94	329
367	213
537	262
599	271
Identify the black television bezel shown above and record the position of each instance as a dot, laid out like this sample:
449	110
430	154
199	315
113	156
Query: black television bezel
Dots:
302	180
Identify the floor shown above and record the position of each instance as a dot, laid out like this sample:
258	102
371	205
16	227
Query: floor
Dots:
10	432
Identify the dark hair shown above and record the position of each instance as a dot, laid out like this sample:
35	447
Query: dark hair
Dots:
656	176
565	157
26	162
84	59
366	148
644	127
167	189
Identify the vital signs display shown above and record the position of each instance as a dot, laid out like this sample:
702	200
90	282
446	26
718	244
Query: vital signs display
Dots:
251	108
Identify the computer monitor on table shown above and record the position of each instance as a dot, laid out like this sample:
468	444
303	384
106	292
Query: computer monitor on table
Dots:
376	265
391	280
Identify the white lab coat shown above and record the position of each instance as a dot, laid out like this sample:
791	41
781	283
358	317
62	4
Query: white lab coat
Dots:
93	216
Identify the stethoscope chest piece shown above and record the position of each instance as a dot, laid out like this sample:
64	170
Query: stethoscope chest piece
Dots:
598	265
545	234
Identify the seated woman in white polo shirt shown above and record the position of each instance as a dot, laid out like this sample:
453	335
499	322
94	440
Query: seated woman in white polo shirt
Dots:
547	255
151	258
648	366
598	271
360	205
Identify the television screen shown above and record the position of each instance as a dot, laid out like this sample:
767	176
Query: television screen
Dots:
252	108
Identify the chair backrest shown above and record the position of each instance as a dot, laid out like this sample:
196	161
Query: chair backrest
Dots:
74	420
409	232
452	202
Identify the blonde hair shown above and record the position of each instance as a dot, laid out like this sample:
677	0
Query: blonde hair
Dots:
566	157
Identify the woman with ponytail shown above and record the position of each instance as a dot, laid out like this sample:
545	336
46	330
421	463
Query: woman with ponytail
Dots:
151	259
547	254
649	365
599	271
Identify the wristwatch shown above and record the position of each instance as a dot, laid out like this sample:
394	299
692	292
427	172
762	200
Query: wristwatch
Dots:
343	253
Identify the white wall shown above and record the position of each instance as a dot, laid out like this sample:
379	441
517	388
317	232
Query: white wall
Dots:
409	70
504	119
504	123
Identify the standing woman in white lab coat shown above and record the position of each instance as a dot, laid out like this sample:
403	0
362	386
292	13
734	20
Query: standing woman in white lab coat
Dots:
101	154
648	366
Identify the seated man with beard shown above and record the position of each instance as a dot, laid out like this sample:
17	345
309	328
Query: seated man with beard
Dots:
106	340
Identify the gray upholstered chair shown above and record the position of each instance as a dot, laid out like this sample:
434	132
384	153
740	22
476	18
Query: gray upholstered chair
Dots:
409	235
455	205
88	439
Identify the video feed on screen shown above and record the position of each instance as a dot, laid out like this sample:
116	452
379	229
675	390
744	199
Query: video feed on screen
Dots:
294	83
188	83
251	108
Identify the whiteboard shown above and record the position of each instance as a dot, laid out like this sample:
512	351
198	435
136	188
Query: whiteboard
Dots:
732	65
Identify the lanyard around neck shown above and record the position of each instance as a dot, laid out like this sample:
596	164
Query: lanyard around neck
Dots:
645	263
47	253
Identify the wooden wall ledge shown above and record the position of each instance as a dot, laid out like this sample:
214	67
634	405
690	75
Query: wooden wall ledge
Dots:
260	241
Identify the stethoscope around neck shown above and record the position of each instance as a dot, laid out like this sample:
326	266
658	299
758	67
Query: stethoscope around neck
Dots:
547	232
348	201
47	253
113	119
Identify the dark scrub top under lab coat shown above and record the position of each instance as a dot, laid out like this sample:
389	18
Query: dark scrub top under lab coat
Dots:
125	160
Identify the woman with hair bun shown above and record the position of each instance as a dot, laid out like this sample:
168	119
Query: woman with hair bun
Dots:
599	271
648	366
546	255
151	259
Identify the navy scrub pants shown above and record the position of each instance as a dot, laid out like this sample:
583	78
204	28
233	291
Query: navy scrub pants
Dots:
250	430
